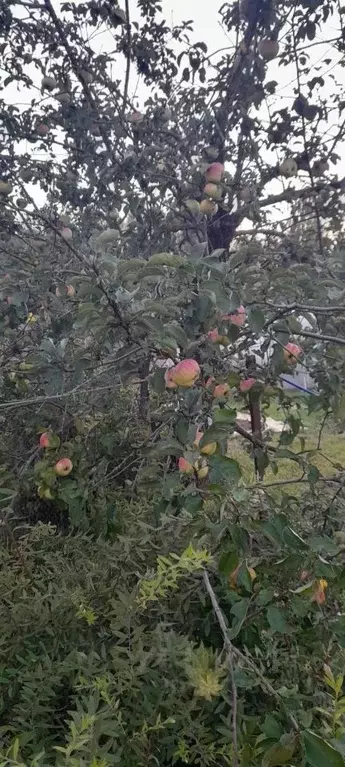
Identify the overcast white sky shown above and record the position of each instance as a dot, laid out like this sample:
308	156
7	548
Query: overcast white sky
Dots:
208	29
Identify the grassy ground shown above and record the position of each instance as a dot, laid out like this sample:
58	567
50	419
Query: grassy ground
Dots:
330	452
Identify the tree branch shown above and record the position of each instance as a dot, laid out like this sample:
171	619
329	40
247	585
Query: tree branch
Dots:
233	651
128	63
231	664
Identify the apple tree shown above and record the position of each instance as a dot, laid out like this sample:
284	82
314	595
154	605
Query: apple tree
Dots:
172	246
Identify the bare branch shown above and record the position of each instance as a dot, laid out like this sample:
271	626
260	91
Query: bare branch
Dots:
128	63
235	652
231	664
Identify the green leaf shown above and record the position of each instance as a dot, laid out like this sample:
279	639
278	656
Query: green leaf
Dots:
158	381
215	433
228	562
192	503
153	323
167	259
175	330
243	578
256	319
289	454
278	754
224	470
182	430
166	447
265	596
294	325
239	610
163	310
277	620
133	265
225	415
319	753
292	539
272	728
313	475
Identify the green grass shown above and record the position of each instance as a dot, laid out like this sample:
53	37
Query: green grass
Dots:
329	456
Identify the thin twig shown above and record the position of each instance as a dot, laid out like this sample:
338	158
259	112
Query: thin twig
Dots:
231	663
128	64
297	481
248	661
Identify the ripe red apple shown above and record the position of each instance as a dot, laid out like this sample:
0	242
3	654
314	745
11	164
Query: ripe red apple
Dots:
237	318
213	191
136	117
215	172
184	466
168	382
66	234
247	384
291	353
268	48
45	439
70	290
209	382
185	373
213	335
42	129
221	390
63	467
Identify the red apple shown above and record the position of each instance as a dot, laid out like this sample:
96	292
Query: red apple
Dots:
45	439
213	191
66	234
291	353
237	318
136	117
209	382
185	373
215	172
247	384
268	48
63	467
184	466
221	390
42	129
168	382
213	335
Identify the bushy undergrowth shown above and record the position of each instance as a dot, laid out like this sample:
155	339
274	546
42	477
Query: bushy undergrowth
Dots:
111	653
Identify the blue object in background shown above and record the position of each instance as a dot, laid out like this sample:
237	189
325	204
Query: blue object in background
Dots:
298	386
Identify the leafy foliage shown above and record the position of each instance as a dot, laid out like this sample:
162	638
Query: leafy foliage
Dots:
156	606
